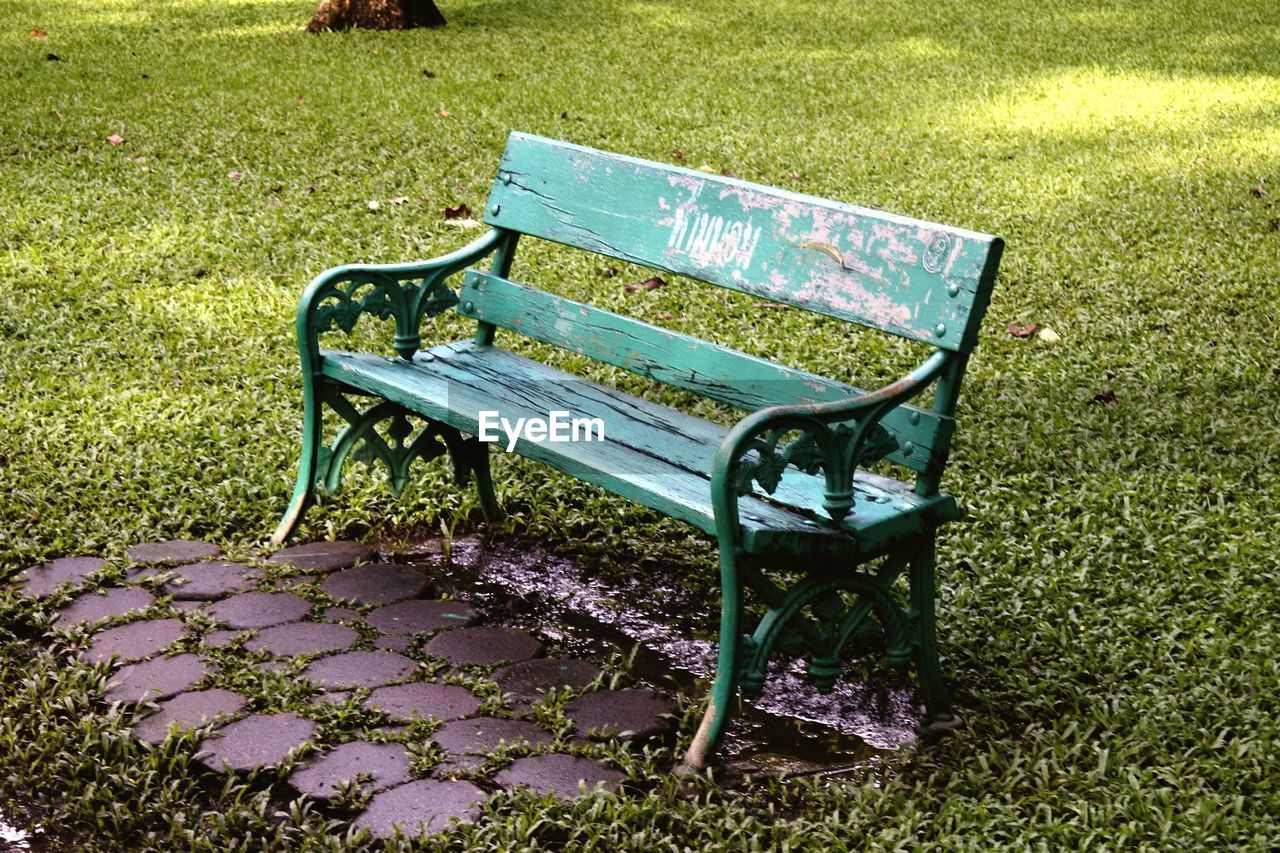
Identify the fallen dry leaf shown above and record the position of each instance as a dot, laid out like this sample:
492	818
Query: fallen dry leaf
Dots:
235	175
444	114
427	72
464	223
1258	192
37	34
1105	396
301	98
461	211
400	199
275	188
795	176
665	315
115	139
648	284
678	154
609	272
729	173
763	304
373	204
1023	331
1049	336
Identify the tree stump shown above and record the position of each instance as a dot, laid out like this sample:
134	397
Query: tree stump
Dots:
375	15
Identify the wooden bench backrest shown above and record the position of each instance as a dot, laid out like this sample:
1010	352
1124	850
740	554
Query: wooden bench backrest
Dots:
922	281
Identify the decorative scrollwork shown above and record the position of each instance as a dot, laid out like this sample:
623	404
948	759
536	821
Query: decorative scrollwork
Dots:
341	304
832	619
360	440
837	451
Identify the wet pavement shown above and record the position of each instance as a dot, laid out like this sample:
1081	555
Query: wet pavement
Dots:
412	646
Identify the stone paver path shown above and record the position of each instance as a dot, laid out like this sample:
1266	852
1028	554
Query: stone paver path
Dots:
43	580
202	581
382	668
172	552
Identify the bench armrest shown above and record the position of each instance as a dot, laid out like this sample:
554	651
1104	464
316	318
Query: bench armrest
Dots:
407	292
836	438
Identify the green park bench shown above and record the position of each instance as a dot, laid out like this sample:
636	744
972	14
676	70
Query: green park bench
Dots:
786	492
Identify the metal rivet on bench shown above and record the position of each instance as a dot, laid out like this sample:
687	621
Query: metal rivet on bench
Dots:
953	289
908	449
496	209
468	306
940	329
914	417
506	177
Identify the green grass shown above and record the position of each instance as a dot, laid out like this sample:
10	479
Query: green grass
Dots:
1109	606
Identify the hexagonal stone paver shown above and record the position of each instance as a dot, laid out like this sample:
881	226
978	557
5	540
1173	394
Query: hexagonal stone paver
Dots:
341	614
189	711
43	580
93	607
485	645
394	642
376	583
559	774
202	581
423	807
158	678
259	609
222	637
303	638
420	700
621	713
420	615
467	741
359	669
530	679
258	741
172	552
321	556
386	764
135	641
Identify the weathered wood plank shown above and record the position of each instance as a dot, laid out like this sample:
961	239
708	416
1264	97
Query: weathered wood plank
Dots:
654	455
916	279
719	373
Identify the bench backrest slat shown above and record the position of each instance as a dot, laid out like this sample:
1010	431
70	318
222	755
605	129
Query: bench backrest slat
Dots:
709	370
926	282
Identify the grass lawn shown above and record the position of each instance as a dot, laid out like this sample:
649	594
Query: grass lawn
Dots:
1109	606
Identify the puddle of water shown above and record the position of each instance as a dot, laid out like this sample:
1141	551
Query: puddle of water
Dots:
789	729
13	839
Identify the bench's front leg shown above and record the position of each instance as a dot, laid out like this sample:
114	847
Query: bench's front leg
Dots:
724	689
308	461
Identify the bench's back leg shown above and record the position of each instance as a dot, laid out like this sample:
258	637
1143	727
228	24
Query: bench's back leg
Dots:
922	575
724	689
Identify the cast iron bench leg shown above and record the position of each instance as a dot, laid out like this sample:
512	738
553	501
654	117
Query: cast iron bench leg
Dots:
936	702
724	689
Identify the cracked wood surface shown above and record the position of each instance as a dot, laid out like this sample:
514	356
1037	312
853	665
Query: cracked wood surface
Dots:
657	456
916	279
734	378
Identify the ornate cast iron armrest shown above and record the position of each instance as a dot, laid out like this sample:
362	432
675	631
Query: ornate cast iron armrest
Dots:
836	438
407	292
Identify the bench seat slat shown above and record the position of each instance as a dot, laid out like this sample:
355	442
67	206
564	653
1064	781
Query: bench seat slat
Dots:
728	376
652	454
